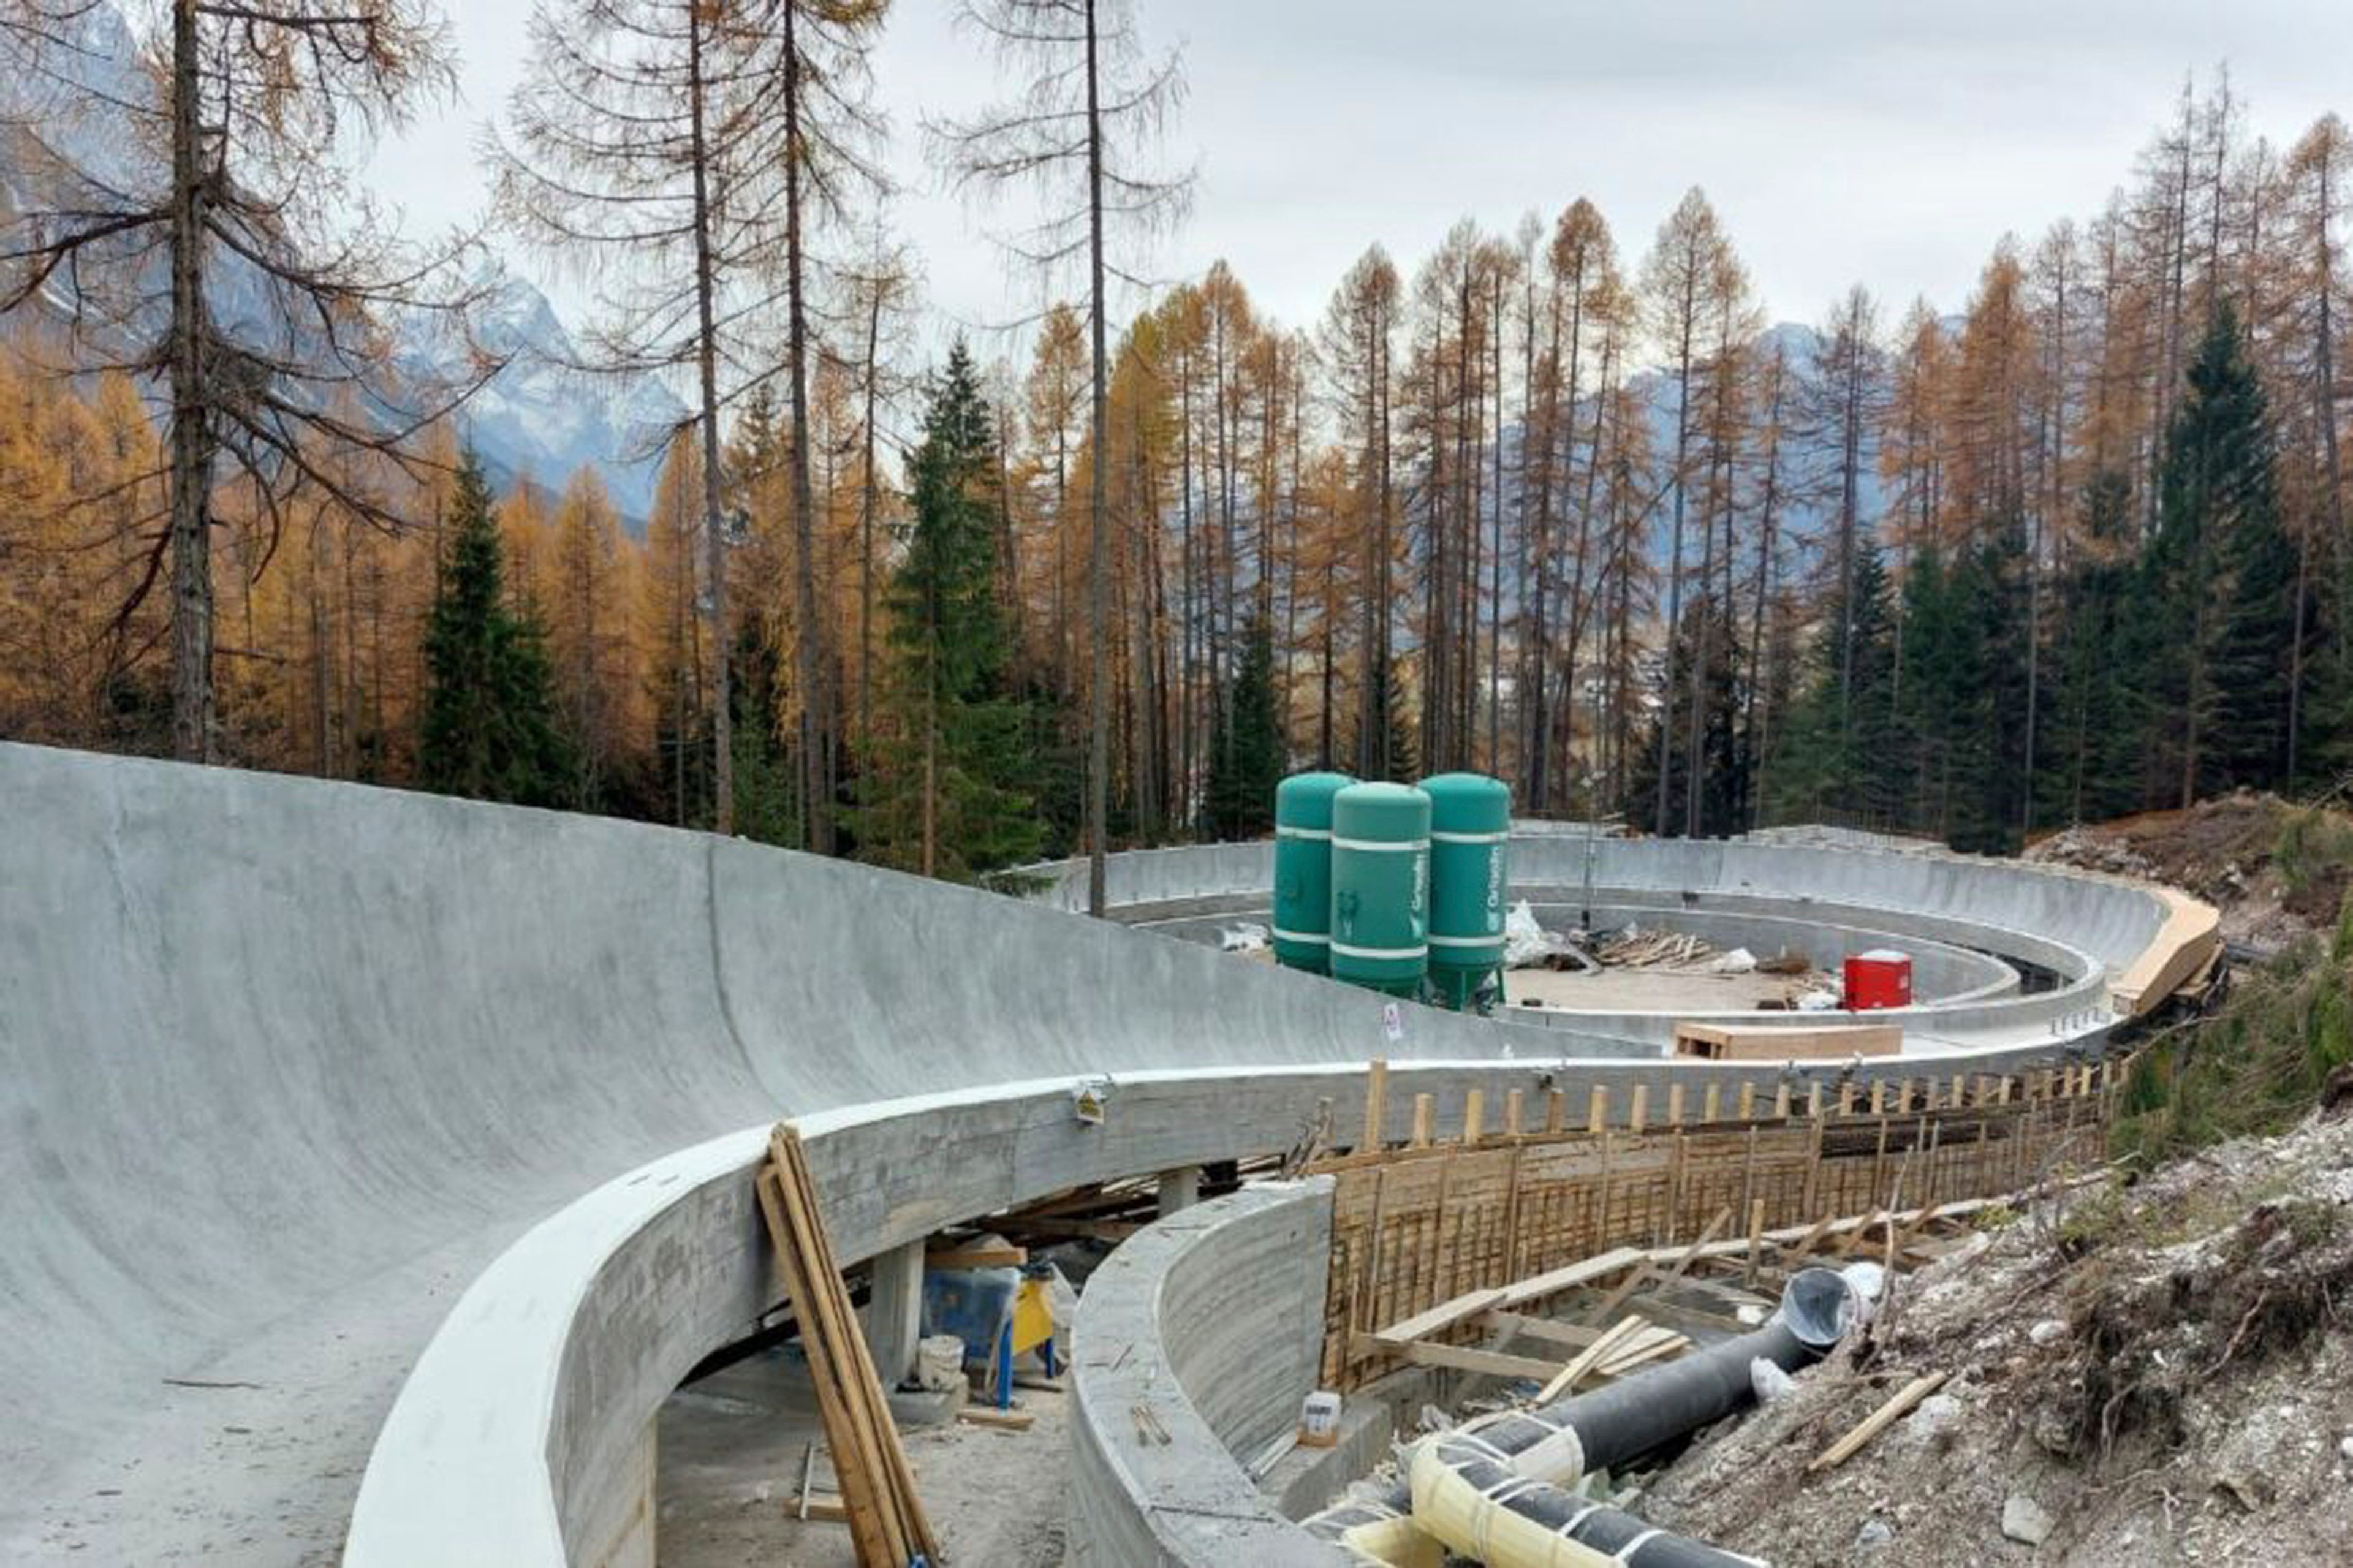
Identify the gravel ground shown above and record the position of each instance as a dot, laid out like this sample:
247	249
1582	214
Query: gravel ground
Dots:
731	1450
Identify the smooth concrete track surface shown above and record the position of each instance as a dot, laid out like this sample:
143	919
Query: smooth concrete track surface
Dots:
288	1069
284	1064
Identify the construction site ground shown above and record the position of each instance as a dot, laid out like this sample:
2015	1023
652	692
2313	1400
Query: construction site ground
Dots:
2277	871
2148	1373
731	1448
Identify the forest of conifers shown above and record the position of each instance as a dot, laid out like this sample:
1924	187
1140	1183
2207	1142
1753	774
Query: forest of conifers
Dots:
2076	547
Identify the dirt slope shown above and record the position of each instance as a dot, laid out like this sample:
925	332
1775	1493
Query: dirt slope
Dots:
2154	1374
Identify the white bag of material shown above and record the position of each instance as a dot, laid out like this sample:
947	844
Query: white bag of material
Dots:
1817	1001
1769	1382
1739	961
1525	942
1244	938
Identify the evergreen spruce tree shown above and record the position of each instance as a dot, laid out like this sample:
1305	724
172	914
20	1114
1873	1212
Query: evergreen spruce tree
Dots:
2093	716
1388	700
1723	781
490	729
950	795
765	774
1838	758
2220	575
1249	753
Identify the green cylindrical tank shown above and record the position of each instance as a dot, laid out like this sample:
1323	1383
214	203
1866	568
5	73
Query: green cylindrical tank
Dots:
1380	887
1469	871
1301	916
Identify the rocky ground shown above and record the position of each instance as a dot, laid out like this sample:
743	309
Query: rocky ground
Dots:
2157	1372
2277	871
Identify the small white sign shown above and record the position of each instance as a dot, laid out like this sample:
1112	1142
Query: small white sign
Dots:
1393	1022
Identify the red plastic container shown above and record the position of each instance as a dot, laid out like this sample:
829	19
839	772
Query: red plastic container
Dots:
1882	978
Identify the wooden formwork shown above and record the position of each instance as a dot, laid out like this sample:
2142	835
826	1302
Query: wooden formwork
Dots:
1418	1225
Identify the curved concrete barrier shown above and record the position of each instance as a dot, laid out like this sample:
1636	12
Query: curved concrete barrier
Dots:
348	1128
1213	1320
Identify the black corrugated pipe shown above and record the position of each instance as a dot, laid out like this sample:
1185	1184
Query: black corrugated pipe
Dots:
1624	1420
1495	1488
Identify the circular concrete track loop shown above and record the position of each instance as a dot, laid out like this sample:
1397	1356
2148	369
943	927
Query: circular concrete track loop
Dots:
354	1133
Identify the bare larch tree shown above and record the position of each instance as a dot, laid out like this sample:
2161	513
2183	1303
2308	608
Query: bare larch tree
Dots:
207	235
672	150
1080	134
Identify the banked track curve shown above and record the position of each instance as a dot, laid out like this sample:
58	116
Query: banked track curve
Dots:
373	1161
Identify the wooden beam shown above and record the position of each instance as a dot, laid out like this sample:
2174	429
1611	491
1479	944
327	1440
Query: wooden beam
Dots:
1568	1276
1438	1319
977	1257
1469	1358
1614	1337
989	1416
1878	1421
1377	1102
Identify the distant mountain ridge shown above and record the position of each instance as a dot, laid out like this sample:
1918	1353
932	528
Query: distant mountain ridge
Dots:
537	421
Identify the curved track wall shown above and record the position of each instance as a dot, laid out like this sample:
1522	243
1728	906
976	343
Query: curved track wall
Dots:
1213	1318
348	1128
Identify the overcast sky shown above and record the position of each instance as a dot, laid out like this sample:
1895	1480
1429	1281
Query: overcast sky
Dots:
1889	141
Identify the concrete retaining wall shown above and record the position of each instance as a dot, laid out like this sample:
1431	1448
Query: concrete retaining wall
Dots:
1213	1320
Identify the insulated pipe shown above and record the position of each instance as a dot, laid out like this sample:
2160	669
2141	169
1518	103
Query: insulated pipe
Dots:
1494	1488
1377	1529
1624	1420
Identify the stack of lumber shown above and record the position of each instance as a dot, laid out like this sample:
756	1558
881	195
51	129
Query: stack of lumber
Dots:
878	1489
1653	948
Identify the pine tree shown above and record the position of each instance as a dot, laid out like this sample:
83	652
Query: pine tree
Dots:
947	796
1249	753
490	706
2220	574
1840	759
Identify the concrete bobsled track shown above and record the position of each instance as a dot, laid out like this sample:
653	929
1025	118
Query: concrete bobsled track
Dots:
372	1165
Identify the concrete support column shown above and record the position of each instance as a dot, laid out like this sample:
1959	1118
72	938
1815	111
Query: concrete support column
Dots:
1180	1189
894	1312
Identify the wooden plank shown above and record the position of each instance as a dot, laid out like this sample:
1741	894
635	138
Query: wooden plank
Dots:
817	1508
874	1438
1684	1259
1642	1355
1613	1337
906	1532
779	1206
980	1256
989	1416
1425	1112
1568	1276
1443	1316
1878	1421
1474	1116
1469	1358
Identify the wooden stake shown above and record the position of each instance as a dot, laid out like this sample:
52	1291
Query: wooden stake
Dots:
1878	1421
1377	1103
1425	1112
1474	1117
